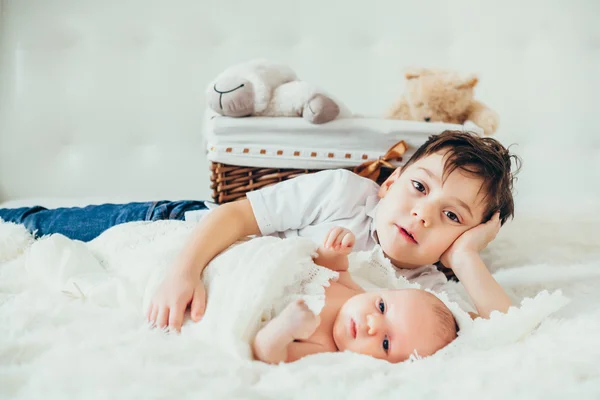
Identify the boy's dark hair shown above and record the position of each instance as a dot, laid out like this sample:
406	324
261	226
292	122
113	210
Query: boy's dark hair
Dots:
484	157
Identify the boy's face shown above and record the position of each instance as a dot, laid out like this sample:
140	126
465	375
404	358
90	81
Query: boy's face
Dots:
389	325
419	217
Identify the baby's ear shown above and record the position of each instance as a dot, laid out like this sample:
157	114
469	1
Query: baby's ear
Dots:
467	83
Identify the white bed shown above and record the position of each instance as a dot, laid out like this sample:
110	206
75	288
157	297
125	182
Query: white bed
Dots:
103	101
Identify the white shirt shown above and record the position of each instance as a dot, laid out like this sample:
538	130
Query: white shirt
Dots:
310	205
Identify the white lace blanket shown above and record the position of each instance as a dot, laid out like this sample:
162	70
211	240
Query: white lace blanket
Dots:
252	282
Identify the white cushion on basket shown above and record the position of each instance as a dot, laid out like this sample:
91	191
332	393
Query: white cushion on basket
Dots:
268	142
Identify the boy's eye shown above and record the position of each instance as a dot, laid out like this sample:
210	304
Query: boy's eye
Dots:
386	344
452	216
381	306
417	185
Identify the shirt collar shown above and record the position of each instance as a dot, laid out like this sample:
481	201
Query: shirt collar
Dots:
371	206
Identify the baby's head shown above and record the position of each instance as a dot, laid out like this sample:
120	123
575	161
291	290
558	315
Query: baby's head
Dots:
393	324
452	183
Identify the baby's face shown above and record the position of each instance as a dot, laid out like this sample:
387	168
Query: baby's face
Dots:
389	325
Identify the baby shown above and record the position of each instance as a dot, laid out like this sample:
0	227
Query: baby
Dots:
389	324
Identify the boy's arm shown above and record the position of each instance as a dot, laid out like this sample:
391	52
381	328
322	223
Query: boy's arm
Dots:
464	259
482	288
218	230
276	207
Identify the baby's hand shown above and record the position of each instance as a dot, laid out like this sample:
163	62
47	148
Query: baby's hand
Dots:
339	240
298	320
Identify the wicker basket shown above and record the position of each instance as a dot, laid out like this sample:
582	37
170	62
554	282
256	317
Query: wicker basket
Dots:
230	182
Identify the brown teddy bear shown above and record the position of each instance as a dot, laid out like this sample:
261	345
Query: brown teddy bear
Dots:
442	96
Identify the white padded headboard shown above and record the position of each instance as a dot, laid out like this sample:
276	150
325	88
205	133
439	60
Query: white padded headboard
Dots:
105	98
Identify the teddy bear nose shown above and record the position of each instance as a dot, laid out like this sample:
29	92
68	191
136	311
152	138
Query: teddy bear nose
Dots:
427	119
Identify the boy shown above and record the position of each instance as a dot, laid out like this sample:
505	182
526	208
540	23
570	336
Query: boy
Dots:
445	204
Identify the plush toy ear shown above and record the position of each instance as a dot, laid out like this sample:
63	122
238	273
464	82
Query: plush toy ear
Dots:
468	82
416	72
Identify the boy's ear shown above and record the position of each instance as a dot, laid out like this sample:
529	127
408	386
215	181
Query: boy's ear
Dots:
387	184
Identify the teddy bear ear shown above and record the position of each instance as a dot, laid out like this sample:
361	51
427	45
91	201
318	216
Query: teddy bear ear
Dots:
416	72
468	83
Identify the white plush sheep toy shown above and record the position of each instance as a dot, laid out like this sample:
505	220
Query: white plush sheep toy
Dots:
269	89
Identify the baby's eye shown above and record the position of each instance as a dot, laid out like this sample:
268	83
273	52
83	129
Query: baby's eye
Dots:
452	216
386	344
381	306
417	185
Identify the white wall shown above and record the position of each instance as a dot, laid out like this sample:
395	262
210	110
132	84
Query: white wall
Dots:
105	98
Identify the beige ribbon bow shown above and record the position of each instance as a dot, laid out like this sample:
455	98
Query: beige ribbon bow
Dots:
371	169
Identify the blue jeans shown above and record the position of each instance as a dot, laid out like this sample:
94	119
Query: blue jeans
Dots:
86	223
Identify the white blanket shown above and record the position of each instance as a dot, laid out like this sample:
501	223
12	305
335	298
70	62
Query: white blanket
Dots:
269	142
54	344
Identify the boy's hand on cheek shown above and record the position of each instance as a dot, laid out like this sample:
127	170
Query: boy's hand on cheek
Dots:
472	241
